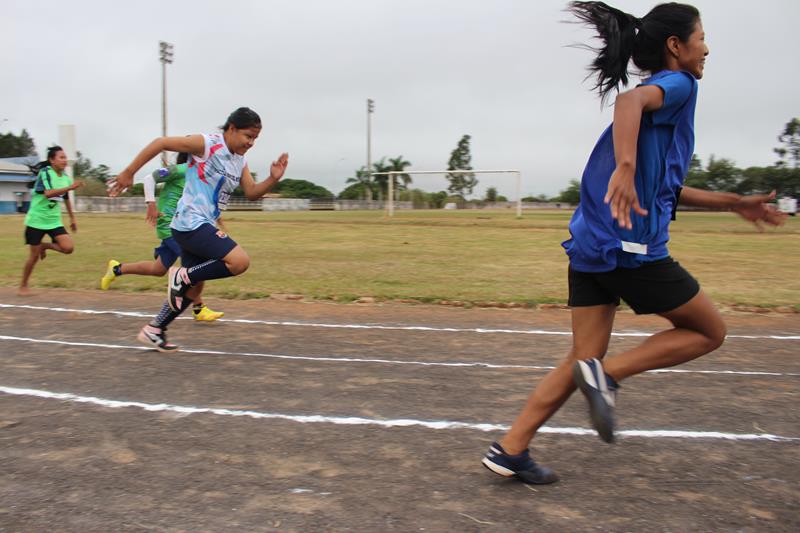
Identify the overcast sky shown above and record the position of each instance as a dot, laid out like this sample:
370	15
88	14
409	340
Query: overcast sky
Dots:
501	71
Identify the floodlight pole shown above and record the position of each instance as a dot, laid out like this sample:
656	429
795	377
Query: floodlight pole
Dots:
370	110
165	56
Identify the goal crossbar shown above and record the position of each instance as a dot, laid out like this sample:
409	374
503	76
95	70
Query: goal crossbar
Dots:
393	173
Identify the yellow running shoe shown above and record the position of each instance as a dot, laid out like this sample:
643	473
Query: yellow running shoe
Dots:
105	281
204	314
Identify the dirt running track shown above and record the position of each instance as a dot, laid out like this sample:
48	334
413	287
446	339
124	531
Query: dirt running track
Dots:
84	463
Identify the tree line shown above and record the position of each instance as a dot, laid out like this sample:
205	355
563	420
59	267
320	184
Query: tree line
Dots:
719	174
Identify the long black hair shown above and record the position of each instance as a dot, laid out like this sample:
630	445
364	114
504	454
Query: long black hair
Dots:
51	153
242	118
627	38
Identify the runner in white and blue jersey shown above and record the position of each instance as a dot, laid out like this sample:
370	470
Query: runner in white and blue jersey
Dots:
216	167
619	232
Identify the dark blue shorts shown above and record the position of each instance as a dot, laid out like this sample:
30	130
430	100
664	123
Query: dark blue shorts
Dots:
204	243
168	251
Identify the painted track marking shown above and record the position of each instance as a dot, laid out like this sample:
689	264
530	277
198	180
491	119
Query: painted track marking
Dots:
137	314
387	423
332	359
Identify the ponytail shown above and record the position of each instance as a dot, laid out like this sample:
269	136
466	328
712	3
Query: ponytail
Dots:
617	30
627	38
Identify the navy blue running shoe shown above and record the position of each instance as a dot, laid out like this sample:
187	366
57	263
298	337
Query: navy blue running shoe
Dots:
600	390
520	465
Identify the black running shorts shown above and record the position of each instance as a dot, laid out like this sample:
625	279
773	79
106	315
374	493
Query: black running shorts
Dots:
34	236
656	287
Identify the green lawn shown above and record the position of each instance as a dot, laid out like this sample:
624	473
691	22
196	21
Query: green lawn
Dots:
472	256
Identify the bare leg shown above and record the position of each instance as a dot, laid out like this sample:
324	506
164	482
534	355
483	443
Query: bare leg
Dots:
237	261
145	268
33	258
63	244
699	329
591	330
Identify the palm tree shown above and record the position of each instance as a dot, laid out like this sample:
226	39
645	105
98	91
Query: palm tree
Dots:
363	179
398	164
380	179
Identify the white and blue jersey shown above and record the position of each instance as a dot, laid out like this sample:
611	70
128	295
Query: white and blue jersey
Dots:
210	180
664	150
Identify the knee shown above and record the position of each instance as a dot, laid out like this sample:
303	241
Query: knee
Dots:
716	337
159	270
239	265
68	249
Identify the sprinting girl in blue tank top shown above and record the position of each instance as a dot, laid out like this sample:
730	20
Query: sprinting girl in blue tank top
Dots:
619	232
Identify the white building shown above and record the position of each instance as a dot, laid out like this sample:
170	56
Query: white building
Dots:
15	187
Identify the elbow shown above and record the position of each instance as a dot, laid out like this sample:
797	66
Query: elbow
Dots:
158	144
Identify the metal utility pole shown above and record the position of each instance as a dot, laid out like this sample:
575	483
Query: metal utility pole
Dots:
165	56
370	110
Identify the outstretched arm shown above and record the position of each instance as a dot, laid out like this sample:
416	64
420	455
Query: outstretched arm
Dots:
621	196
253	190
193	144
753	207
51	193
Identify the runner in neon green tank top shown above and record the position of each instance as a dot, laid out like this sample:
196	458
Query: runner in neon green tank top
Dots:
160	215
44	216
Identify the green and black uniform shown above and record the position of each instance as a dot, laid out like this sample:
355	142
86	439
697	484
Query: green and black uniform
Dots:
174	179
44	214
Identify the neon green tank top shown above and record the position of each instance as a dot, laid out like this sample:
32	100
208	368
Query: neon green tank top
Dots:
174	179
44	212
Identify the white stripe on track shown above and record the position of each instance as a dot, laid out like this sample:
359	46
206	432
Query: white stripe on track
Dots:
372	326
389	423
467	364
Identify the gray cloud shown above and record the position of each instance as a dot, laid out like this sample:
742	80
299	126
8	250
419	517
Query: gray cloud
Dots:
502	72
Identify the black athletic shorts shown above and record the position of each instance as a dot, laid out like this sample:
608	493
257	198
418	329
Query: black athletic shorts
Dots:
655	287
34	236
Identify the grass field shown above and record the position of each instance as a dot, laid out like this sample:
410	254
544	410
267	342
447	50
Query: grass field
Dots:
468	256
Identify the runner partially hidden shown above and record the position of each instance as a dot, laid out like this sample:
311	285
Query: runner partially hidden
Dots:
159	214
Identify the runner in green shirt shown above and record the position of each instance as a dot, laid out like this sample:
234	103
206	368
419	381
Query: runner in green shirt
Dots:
44	215
160	215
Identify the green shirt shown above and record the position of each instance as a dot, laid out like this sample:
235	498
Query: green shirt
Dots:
173	178
44	212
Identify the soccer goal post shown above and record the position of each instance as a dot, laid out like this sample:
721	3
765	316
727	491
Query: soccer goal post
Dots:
392	174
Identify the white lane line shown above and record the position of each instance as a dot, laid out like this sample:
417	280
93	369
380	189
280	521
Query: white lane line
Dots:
388	423
137	314
333	359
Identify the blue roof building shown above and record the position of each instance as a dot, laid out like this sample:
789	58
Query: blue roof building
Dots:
16	182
